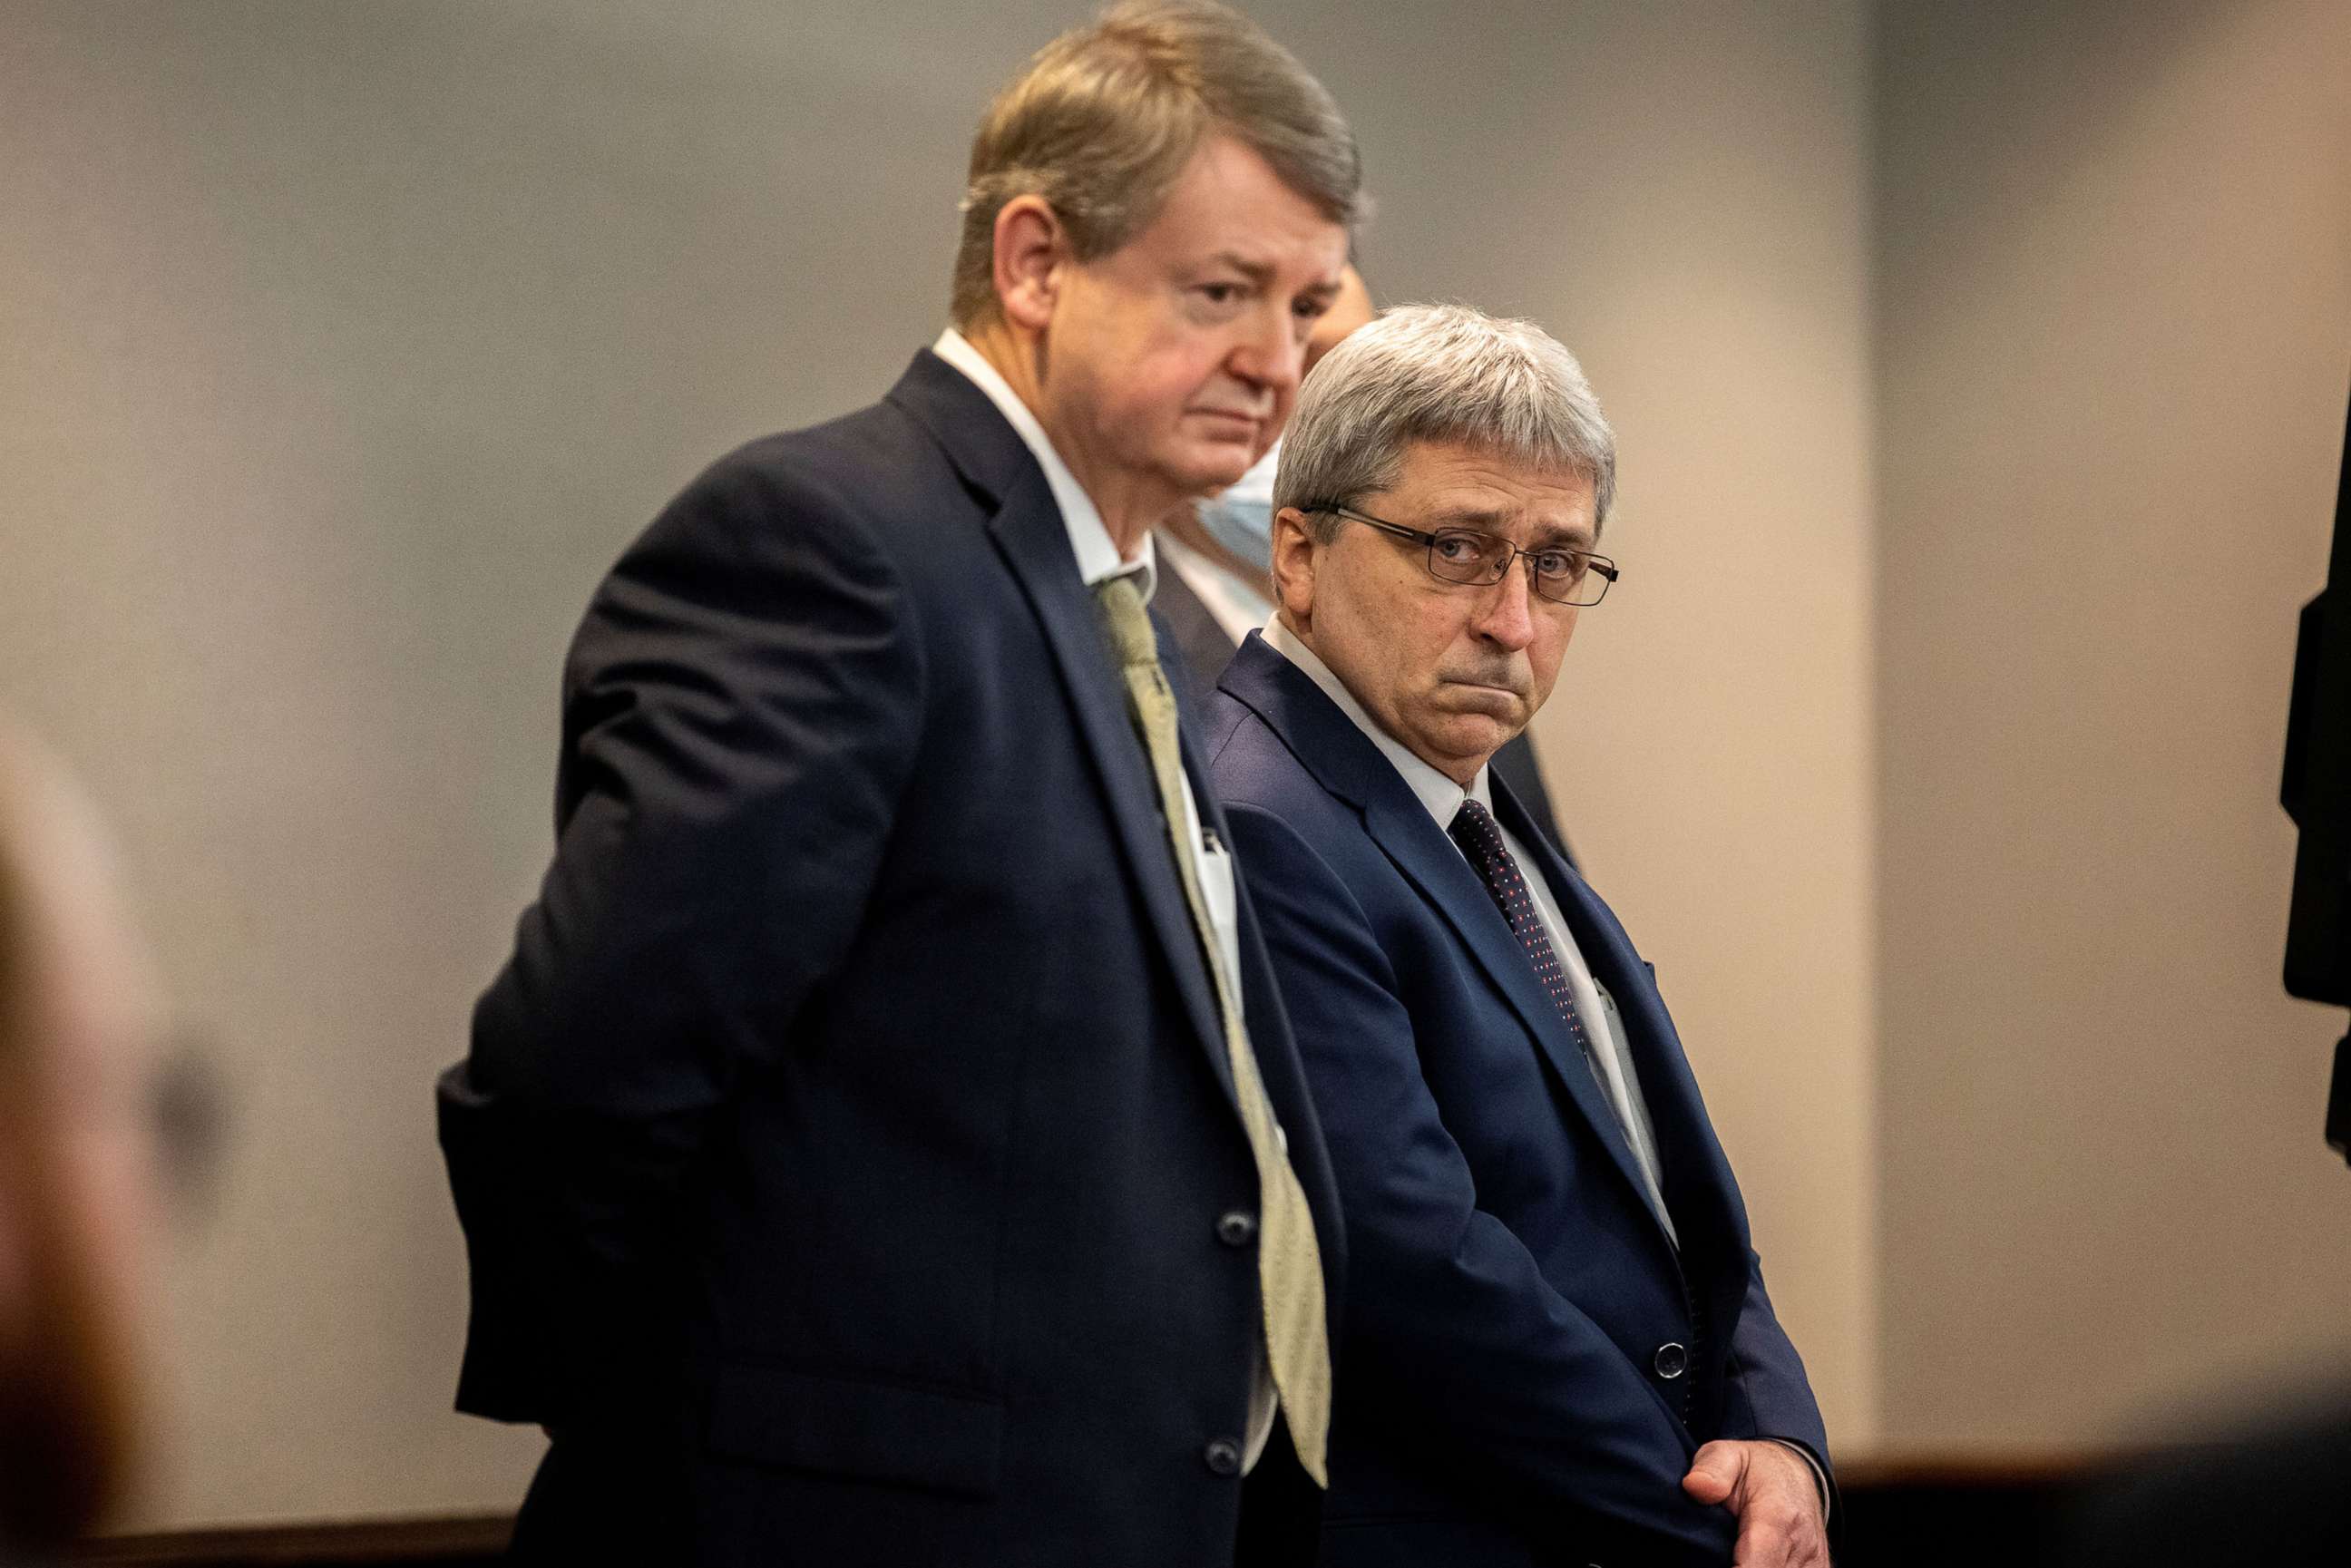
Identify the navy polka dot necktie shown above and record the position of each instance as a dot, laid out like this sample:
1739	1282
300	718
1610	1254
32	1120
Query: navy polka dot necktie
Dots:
1481	838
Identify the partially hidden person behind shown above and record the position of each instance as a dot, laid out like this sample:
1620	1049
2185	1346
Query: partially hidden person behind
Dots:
1558	1344
884	1144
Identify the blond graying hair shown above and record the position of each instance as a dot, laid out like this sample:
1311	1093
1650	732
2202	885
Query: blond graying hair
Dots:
1441	374
1106	117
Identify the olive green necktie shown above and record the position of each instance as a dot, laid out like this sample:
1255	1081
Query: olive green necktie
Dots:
1288	1261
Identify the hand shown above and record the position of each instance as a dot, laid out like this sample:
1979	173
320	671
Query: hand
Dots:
1771	1492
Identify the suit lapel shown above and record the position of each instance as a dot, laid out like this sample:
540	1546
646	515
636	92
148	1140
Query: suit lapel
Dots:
1431	862
1268	1025
1346	762
1026	524
1695	1174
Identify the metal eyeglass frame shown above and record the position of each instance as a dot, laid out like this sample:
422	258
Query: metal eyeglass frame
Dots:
1602	565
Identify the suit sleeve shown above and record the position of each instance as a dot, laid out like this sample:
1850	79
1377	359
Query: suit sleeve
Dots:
1445	1303
1770	1396
742	713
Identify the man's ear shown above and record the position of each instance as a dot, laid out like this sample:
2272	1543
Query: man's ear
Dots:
1031	249
1293	567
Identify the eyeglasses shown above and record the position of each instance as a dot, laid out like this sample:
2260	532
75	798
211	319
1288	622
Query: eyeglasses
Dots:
1477	560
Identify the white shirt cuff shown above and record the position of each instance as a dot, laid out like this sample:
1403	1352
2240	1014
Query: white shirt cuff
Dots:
1820	1476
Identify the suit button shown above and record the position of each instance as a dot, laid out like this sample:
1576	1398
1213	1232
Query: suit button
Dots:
1672	1361
1224	1458
1237	1228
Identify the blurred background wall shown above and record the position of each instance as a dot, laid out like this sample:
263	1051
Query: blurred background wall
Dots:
2113	285
345	347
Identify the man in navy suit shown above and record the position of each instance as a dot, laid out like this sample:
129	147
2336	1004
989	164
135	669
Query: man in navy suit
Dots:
1558	1344
885	1144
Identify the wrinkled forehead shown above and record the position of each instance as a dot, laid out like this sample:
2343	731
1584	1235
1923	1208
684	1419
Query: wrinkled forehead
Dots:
1231	208
1453	484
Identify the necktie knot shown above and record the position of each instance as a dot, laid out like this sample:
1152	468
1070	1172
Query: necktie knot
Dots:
1120	601
1475	831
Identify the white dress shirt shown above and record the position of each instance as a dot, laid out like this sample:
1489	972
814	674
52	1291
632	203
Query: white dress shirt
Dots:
1212	864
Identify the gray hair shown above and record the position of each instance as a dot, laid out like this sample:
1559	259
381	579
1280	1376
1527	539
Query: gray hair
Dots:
1106	117
1440	373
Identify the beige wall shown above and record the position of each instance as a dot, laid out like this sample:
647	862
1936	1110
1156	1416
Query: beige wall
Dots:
346	345
1709	740
2114	308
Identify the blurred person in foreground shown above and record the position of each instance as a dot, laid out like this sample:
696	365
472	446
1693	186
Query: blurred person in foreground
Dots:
1216	557
885	1144
1558	1343
77	1022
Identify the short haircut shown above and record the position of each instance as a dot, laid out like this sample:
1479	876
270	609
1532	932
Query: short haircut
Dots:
1107	115
1441	374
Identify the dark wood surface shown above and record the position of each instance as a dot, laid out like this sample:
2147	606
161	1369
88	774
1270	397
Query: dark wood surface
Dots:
444	1542
1974	1512
1911	1512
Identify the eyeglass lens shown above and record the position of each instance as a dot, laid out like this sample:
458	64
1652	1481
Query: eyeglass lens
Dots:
1468	556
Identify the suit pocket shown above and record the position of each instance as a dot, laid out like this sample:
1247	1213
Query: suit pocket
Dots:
857	1428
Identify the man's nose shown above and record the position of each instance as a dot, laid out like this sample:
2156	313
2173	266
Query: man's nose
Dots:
1269	353
1507	612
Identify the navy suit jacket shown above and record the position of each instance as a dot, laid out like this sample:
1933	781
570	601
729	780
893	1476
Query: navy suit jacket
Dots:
841	1153
1510	1397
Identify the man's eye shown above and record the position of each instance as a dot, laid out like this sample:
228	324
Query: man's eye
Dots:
1456	547
1560	564
1220	293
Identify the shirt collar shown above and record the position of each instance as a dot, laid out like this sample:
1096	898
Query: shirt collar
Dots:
1089	541
1438	795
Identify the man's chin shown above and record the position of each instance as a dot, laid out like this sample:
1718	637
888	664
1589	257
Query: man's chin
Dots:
1471	705
1211	466
1465	742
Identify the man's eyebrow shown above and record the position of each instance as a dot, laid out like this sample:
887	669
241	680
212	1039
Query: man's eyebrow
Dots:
1566	539
1260	275
1491	521
1258	272
1546	536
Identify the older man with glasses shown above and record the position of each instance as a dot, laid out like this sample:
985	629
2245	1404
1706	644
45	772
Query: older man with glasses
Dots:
1557	1341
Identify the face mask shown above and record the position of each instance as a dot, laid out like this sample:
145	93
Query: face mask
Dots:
1241	519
